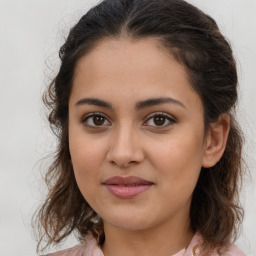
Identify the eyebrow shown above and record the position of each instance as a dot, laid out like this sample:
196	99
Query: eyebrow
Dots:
139	105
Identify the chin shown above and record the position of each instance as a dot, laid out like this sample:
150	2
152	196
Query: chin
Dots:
129	223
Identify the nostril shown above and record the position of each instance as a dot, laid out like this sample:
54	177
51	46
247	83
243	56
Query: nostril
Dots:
123	164
124	155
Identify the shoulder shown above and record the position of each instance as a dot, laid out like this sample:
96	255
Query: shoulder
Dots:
233	250
196	245
88	248
76	250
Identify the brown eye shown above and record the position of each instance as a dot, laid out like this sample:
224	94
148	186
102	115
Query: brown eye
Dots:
95	121
98	120
160	120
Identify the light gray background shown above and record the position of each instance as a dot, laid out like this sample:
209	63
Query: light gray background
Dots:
30	34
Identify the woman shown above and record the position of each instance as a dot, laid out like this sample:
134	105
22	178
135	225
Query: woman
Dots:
149	154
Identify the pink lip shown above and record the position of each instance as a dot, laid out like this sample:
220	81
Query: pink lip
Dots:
127	187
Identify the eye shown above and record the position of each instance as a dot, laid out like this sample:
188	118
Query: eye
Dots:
95	120
160	120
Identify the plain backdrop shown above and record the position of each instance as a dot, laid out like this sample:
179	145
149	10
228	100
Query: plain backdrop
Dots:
31	32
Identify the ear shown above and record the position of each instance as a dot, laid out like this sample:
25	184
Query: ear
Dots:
216	141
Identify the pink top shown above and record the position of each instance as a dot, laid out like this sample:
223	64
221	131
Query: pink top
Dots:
90	248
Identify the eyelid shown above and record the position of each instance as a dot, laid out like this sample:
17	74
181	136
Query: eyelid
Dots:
171	119
92	114
161	114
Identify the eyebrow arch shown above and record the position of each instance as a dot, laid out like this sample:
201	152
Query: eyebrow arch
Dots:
94	101
139	105
157	101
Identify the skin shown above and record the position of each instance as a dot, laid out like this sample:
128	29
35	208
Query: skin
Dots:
129	142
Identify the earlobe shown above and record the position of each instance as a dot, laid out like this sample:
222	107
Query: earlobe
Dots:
216	141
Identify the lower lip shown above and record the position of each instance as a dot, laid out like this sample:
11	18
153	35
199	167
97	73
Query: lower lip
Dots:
127	191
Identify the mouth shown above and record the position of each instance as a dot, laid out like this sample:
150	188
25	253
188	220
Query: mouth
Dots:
127	187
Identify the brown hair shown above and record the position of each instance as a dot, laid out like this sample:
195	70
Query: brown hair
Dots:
194	39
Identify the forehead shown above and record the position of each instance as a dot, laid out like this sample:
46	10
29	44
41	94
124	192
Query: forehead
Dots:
131	68
118	48
126	52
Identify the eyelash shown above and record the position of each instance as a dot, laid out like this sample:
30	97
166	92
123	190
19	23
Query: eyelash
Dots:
158	114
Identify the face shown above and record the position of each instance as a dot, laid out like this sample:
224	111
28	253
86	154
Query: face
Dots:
136	134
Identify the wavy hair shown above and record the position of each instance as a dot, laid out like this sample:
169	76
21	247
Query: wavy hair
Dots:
195	41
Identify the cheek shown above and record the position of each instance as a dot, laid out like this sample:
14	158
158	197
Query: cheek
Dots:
86	151
86	156
179	160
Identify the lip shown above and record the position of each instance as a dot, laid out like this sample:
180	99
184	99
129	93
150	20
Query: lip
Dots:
127	187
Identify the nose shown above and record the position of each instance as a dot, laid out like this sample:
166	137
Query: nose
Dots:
125	148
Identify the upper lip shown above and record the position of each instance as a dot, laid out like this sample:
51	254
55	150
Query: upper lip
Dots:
131	180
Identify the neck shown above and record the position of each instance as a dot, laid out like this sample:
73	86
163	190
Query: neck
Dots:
162	240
